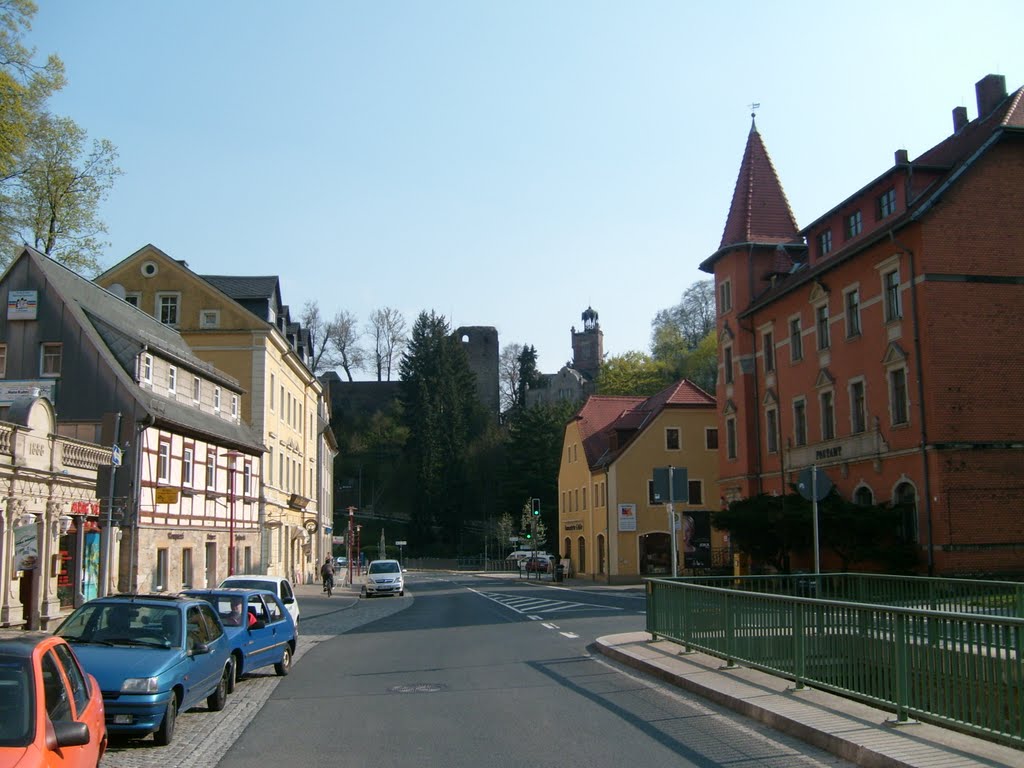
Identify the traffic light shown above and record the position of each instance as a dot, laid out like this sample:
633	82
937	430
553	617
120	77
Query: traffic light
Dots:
527	534
536	507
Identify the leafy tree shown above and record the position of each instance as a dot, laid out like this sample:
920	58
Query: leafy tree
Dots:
633	373
692	318
387	333
864	534
768	528
24	85
529	376
443	416
505	531
539	530
58	195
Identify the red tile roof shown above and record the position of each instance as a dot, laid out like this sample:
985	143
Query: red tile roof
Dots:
760	211
601	415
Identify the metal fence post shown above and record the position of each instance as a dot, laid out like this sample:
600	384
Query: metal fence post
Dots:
901	658
799	646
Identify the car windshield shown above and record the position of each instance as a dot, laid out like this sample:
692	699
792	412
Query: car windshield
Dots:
16	703
152	626
384	567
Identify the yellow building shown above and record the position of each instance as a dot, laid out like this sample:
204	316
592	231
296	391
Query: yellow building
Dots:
241	326
612	525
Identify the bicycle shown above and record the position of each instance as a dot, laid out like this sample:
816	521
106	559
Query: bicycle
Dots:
329	585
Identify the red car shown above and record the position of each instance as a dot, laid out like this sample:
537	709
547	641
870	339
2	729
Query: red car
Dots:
51	711
537	565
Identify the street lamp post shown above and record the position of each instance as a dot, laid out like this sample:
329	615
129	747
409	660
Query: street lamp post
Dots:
231	456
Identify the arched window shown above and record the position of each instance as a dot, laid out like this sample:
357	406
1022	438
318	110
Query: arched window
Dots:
581	557
863	497
906	501
567	549
600	555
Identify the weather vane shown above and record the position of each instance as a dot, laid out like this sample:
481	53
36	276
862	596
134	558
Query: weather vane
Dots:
754	107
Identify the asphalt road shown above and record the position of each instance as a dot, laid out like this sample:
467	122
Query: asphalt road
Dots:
481	672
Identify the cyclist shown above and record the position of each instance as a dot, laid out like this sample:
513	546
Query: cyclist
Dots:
327	574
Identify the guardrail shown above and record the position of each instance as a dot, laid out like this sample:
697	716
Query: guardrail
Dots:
956	669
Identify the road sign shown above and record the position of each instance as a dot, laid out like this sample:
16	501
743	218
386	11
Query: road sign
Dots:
813	487
401	543
670	485
115	455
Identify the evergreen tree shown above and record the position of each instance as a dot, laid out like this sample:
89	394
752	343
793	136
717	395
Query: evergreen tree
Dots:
443	416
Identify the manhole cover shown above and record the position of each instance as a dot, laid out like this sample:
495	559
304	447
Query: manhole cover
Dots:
418	688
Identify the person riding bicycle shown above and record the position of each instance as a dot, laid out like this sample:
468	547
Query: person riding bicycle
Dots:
327	573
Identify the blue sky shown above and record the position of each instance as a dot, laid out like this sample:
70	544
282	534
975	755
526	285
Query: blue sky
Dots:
502	163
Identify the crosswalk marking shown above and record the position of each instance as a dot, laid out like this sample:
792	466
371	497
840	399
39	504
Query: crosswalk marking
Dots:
532	606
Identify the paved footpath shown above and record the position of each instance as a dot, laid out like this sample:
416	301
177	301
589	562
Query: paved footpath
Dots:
202	737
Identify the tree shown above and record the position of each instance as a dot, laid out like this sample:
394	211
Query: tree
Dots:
633	373
508	376
505	531
683	337
527	522
768	528
443	416
58	195
529	376
692	318
24	85
861	534
387	334
344	344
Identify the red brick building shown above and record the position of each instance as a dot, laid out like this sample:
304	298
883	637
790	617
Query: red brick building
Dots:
880	341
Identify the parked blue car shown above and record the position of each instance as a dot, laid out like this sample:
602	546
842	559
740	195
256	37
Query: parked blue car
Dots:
153	656
260	630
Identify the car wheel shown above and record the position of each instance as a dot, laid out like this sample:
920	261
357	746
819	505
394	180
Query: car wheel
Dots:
236	673
401	593
216	700
284	666
162	736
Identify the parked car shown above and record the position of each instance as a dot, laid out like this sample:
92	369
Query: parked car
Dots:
154	656
384	577
51	710
341	562
259	627
537	564
520	556
279	585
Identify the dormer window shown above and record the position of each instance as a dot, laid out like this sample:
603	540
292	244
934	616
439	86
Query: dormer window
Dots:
854	224
887	203
172	379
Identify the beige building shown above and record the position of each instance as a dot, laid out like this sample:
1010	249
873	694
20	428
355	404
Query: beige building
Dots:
612	524
241	326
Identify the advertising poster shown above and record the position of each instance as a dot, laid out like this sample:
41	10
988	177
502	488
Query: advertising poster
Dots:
627	517
21	305
91	565
26	547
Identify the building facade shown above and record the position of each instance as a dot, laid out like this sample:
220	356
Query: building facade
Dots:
181	493
614	526
876	343
240	325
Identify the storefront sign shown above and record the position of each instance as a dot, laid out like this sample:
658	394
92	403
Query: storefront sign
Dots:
12	390
166	495
627	517
576	526
85	507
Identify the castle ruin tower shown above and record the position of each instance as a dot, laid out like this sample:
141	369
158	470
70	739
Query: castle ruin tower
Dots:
588	345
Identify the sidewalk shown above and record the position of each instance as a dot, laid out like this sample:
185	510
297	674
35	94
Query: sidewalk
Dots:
848	729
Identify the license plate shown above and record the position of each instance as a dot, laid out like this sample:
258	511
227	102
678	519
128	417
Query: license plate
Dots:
122	719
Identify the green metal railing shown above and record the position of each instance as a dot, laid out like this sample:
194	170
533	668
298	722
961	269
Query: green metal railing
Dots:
950	667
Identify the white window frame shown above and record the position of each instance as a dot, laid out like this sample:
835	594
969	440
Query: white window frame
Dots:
863	406
187	465
821	326
891	295
247	478
197	389
147	368
209	318
134	298
852	314
159	307
46	353
216	399
163	461
724	294
172	379
796	340
211	467
234	405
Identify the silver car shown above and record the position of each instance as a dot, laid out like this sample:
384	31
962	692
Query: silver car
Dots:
384	577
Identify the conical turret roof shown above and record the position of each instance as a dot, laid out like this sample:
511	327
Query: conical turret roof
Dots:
760	212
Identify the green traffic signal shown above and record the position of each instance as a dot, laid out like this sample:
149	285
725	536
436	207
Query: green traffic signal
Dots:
536	507
528	535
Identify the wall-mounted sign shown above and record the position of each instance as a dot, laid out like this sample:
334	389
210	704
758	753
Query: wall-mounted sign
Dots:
22	305
627	517
166	495
12	390
26	547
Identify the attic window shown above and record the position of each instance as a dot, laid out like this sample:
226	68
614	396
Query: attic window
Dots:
209	318
825	242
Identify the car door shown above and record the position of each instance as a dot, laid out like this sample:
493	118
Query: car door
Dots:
259	643
88	708
203	668
280	623
288	598
59	703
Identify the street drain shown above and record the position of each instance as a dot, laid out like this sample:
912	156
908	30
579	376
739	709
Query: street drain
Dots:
418	688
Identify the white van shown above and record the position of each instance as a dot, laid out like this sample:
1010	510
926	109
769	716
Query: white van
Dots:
520	556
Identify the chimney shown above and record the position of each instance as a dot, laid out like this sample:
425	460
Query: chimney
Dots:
991	90
901	157
960	118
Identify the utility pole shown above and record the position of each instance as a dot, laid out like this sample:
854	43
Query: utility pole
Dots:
108	533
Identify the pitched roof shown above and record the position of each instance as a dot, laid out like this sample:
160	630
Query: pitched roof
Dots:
123	330
602	415
759	212
266	287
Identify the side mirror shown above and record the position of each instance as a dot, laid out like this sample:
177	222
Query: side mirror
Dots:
199	649
287	600
71	733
